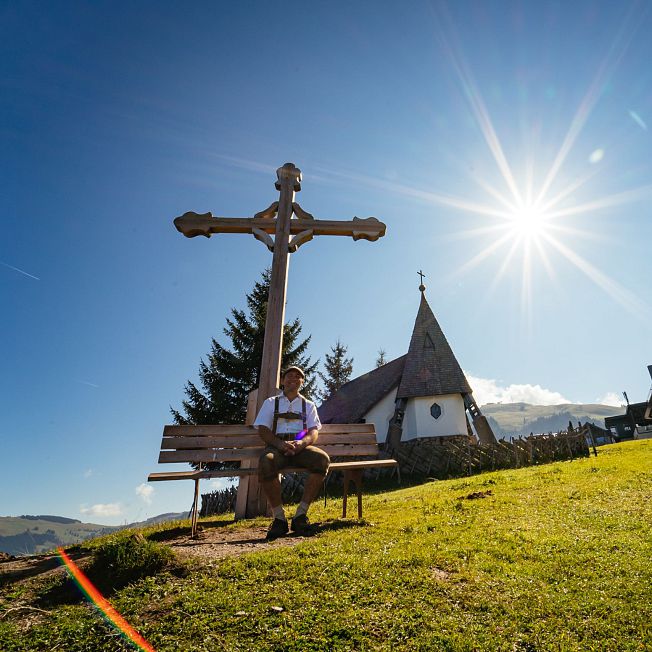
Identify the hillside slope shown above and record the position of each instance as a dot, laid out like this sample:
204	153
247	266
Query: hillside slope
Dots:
553	557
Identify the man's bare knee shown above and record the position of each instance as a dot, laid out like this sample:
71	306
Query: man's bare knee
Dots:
267	467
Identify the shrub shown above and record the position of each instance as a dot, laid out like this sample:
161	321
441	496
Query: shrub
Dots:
123	559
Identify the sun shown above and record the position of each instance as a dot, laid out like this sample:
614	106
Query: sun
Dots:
528	221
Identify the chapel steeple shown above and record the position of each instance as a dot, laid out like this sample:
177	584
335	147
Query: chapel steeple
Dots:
431	368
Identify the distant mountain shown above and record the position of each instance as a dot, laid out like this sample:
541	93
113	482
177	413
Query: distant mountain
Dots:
514	419
27	535
49	517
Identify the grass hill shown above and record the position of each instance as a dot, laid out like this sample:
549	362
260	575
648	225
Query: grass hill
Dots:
26	535
514	419
551	557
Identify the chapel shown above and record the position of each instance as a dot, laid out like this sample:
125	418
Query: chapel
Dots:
423	394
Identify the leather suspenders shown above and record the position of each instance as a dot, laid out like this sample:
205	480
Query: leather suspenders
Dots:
275	415
289	415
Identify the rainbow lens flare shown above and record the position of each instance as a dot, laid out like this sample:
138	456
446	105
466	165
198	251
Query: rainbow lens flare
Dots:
103	605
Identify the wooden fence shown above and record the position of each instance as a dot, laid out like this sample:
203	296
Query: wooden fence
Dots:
437	458
218	502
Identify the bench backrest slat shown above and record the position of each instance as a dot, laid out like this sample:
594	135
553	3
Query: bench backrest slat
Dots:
207	431
229	431
208	455
254	441
241	441
235	455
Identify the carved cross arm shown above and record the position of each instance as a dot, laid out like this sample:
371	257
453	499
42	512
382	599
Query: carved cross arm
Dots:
194	224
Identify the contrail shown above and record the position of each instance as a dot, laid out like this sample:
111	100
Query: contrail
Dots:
85	382
20	270
638	120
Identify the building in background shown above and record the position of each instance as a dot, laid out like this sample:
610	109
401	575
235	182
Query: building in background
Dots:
636	423
422	394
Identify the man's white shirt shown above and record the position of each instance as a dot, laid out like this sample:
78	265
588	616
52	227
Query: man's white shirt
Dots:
287	426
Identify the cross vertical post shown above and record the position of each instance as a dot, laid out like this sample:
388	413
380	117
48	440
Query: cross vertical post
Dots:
289	182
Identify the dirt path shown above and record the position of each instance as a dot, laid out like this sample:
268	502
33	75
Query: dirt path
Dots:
217	543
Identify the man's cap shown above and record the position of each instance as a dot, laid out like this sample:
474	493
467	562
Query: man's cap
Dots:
299	370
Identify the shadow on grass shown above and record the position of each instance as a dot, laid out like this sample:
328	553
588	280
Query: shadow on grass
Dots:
258	536
370	486
62	592
20	569
339	524
184	530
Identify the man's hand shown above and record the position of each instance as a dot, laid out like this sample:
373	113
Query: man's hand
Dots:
293	447
286	447
298	445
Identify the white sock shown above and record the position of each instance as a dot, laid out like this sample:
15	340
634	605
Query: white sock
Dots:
302	509
279	513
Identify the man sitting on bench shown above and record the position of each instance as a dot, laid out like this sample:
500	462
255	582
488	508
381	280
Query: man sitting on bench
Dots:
289	425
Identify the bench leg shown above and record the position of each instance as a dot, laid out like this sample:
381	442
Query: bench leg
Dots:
356	476
195	512
345	492
243	492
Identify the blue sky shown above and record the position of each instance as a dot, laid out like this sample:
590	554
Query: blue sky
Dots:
507	147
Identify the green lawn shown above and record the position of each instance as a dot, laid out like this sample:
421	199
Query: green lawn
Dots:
555	557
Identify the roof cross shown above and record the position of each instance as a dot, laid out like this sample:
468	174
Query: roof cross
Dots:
422	287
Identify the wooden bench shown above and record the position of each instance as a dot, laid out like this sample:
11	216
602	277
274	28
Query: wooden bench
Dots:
224	443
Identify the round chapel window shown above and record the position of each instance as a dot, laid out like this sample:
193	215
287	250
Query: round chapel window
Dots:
435	410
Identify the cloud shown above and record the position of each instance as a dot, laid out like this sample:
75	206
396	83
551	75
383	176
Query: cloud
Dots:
486	390
217	484
610	398
102	509
88	473
145	491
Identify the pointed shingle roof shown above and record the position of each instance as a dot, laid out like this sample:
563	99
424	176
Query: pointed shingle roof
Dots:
428	369
431	368
354	399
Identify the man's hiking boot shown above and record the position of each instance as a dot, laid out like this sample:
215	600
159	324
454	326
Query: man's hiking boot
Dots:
277	529
301	526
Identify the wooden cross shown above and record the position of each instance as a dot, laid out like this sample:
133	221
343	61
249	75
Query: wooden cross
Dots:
289	234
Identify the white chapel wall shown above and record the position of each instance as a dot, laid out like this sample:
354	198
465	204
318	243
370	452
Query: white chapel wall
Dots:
381	413
419	422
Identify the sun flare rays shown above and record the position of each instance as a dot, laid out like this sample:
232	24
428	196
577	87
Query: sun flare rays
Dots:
532	215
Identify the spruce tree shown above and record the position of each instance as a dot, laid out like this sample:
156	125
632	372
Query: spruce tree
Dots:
338	369
229	374
381	359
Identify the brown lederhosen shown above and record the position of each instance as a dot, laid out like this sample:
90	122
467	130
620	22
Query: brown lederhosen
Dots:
311	458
